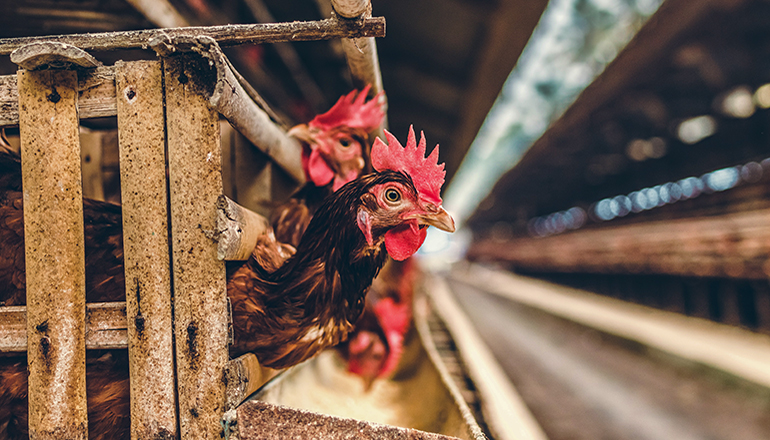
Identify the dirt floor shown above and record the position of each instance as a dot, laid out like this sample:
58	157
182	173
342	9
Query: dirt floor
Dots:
584	385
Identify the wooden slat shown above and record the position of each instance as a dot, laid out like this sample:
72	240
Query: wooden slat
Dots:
141	135
226	35
96	96
105	327
200	298
55	257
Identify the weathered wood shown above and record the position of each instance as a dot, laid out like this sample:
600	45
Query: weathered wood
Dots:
351	8
91	164
238	229
361	53
226	35
232	101
55	257
244	376
262	420
96	96
200	297
141	135
105	327
52	54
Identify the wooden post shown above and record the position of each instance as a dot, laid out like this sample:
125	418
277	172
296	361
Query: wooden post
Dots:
361	52
55	256
141	126
200	298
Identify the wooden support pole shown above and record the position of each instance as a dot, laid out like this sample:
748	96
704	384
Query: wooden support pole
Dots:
361	52
232	101
225	35
200	297
55	256
141	130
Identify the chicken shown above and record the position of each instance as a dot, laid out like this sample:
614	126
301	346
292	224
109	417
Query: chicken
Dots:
335	149
376	344
307	304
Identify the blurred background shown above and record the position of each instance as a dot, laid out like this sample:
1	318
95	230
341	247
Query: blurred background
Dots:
611	150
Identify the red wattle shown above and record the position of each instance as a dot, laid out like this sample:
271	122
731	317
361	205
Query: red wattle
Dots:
318	169
403	241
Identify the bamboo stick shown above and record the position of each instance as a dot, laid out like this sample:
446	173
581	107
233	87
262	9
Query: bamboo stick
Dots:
105	327
225	35
141	127
351	8
55	258
200	298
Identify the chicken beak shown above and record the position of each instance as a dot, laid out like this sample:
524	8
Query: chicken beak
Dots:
440	219
302	133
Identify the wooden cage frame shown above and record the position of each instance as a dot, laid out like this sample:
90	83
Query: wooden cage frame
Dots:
168	113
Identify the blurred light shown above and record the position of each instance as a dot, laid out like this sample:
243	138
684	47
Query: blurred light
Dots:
642	149
656	148
603	210
738	103
635	150
652	198
721	180
663	194
674	191
578	216
639	200
751	172
695	129
622	206
762	96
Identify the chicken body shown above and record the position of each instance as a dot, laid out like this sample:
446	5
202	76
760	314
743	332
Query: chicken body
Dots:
284	316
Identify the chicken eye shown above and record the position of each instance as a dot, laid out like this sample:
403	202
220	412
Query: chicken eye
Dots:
392	195
345	143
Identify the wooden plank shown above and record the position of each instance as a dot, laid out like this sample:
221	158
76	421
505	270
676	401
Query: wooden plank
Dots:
225	35
238	229
96	96
105	327
55	256
200	297
141	136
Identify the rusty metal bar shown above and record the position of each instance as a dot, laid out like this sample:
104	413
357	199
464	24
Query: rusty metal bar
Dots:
55	256
238	229
226	35
105	327
141	135
200	297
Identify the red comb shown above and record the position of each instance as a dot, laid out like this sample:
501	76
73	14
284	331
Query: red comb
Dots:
352	111
426	173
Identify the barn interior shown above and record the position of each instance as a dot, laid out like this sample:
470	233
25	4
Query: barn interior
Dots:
609	275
